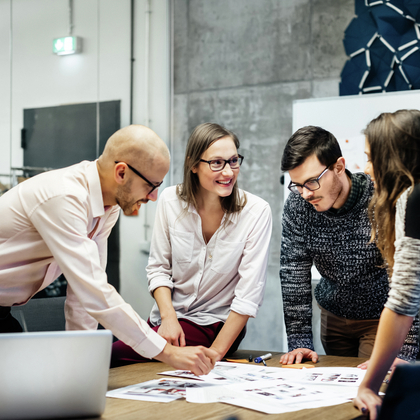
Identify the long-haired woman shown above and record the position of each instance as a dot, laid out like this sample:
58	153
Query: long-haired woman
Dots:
393	151
209	250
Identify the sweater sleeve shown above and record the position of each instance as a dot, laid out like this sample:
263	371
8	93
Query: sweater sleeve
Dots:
295	277
404	296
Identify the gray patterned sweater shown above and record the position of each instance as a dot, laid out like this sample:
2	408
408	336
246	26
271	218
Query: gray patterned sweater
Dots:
352	283
404	297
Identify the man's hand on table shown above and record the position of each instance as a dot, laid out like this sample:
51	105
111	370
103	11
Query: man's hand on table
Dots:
199	360
297	355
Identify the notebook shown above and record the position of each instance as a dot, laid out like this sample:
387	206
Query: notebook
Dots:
54	374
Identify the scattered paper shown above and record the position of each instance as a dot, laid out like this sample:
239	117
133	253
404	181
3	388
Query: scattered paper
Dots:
226	372
271	390
273	397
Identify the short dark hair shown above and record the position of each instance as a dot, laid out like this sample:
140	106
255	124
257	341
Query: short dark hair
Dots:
308	141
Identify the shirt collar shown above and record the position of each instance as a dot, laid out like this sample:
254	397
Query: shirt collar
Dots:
95	190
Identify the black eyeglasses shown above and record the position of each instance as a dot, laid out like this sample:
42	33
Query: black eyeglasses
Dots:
142	177
311	184
217	165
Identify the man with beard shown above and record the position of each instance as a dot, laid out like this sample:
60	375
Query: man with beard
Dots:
326	223
59	221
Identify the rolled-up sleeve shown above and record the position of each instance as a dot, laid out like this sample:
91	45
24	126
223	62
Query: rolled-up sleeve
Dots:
249	292
62	222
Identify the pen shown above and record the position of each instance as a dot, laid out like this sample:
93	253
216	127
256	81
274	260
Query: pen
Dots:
263	358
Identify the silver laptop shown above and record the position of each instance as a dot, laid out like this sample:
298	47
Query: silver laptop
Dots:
54	374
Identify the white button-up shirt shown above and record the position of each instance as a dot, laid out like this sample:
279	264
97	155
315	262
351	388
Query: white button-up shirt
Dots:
209	280
56	223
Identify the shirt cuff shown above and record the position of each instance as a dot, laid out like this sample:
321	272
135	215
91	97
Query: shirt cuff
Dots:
296	341
244	307
151	346
160	282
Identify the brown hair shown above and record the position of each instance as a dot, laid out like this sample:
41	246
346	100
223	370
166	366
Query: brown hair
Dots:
394	141
203	136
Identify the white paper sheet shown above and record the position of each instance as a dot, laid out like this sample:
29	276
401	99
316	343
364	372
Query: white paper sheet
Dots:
342	376
158	390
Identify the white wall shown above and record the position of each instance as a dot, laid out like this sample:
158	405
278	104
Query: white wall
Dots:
4	89
346	117
39	78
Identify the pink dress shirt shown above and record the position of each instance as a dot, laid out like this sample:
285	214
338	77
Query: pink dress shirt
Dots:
56	223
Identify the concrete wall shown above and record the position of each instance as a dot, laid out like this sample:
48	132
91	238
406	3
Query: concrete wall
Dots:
241	64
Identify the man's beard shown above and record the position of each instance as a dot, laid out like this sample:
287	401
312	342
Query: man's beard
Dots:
124	200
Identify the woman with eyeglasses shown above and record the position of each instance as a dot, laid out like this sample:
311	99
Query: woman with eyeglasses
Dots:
393	151
209	251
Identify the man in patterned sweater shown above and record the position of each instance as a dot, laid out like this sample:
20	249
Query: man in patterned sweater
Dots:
325	222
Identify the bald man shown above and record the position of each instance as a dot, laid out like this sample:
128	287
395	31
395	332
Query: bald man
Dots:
59	221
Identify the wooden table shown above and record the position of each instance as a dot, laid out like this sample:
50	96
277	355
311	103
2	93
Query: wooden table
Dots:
120	409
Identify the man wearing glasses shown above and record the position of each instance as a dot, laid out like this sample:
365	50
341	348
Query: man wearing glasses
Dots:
59	221
325	223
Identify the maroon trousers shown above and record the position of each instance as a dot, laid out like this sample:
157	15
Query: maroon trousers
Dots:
195	335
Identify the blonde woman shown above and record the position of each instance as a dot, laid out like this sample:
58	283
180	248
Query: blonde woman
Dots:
209	252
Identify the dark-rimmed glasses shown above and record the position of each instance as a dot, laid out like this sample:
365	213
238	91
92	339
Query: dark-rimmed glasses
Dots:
217	165
142	177
310	184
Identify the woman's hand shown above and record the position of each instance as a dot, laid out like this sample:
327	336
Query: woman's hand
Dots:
396	362
220	354
368	401
172	332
